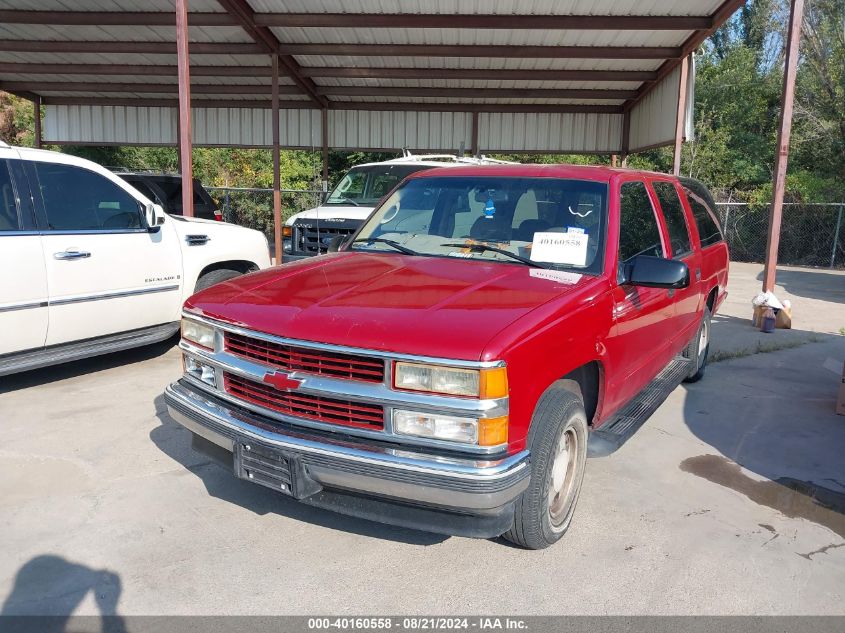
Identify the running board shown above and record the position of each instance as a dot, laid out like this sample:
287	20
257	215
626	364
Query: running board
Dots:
619	429
36	359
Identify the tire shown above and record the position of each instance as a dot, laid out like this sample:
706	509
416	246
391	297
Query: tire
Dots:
697	351
214	277
542	517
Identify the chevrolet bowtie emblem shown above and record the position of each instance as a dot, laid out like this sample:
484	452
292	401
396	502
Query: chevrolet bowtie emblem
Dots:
281	381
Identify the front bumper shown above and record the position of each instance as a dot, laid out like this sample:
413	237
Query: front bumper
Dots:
467	496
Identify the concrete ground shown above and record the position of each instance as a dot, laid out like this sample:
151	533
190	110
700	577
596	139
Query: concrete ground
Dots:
730	500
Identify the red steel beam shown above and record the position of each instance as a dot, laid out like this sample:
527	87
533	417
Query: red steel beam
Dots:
793	42
75	46
458	50
110	18
324	128
334	71
185	136
680	117
469	93
85	86
479	21
277	173
477	73
133	69
36	107
243	13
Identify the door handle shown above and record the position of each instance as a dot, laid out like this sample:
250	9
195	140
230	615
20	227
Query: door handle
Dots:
71	254
698	274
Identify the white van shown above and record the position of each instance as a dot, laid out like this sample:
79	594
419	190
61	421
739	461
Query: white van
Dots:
89	265
310	232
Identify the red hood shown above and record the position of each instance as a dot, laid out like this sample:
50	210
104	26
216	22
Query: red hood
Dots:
429	306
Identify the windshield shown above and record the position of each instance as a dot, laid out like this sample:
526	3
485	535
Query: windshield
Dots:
553	222
365	186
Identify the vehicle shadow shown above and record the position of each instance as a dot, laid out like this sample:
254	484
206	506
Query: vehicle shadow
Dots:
811	284
175	442
46	375
772	416
51	588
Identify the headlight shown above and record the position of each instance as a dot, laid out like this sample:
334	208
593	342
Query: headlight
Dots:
483	432
475	383
198	333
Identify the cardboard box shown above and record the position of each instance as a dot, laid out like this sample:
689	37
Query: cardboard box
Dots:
783	318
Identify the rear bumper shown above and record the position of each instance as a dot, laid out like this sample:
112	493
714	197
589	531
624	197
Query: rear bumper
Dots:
469	496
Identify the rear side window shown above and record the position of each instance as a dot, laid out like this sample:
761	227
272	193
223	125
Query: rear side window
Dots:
639	234
76	199
8	208
673	213
708	229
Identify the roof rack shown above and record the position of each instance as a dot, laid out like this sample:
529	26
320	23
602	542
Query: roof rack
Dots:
408	157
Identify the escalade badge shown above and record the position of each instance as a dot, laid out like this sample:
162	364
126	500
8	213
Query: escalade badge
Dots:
281	381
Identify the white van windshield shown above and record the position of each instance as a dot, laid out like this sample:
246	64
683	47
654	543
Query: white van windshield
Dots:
365	186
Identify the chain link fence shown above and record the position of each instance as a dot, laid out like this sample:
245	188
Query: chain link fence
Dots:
811	234
253	207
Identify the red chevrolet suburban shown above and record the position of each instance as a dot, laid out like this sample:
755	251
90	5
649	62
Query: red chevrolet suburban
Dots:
453	364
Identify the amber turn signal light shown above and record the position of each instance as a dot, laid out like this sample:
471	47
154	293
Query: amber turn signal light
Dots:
493	431
493	383
287	231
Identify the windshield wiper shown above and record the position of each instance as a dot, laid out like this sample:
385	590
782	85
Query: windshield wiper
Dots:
342	201
477	246
381	240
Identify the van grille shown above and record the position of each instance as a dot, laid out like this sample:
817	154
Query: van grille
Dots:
307	406
292	358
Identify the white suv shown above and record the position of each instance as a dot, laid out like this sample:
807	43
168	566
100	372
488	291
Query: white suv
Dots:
310	232
88	265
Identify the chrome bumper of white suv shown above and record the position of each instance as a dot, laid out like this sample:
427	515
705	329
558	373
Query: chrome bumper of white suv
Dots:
466	495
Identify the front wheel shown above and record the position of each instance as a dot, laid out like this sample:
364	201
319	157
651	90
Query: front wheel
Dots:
698	349
558	447
215	277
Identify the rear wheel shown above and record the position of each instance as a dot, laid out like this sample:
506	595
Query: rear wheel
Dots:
215	277
698	349
558	447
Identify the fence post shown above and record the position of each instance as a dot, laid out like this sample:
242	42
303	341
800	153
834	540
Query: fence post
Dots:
836	236
227	214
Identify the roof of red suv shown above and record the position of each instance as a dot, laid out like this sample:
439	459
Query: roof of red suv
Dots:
586	172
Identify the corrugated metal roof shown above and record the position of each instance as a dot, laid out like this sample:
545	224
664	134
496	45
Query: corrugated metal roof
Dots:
605	45
500	7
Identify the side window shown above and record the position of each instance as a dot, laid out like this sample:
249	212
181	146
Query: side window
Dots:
8	208
708	229
639	233
673	213
78	199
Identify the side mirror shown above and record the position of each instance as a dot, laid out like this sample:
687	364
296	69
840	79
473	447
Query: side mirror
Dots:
656	272
336	243
154	215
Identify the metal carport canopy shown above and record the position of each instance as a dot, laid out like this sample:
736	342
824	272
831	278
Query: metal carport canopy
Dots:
585	76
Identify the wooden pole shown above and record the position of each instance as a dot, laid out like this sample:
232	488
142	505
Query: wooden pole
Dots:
36	106
680	117
277	176
793	41
185	143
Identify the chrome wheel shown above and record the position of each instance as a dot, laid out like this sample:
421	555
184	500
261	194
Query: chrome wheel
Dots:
703	341
563	479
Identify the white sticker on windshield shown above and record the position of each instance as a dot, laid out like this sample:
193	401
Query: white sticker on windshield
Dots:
560	276
560	248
